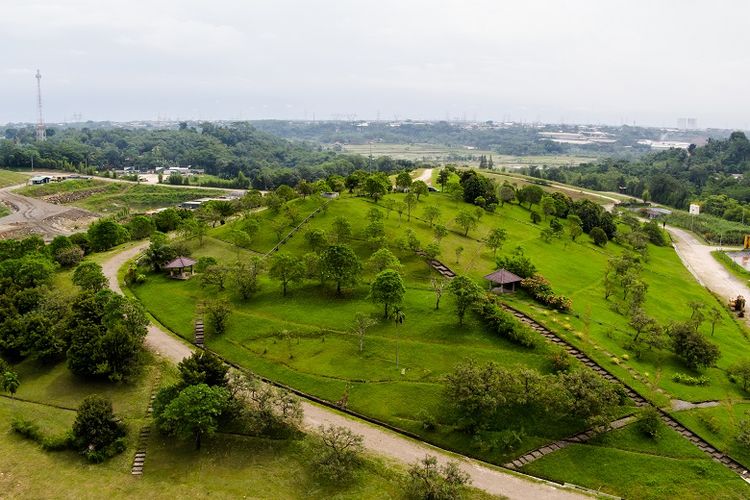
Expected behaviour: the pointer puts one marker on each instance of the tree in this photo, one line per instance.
(202, 367)
(218, 312)
(388, 289)
(588, 396)
(245, 276)
(535, 217)
(459, 250)
(495, 239)
(411, 202)
(403, 181)
(419, 188)
(438, 284)
(443, 177)
(340, 263)
(341, 229)
(97, 432)
(194, 413)
(531, 194)
(89, 276)
(692, 346)
(362, 323)
(194, 228)
(106, 234)
(341, 454)
(741, 371)
(743, 431)
(287, 269)
(466, 221)
(9, 382)
(649, 422)
(714, 317)
(216, 275)
(428, 481)
(598, 236)
(376, 186)
(383, 259)
(466, 293)
(317, 239)
(506, 193)
(141, 227)
(440, 232)
(575, 228)
(431, 213)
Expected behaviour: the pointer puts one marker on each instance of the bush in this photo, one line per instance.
(649, 422)
(97, 432)
(539, 288)
(599, 236)
(428, 481)
(710, 422)
(561, 361)
(203, 263)
(27, 429)
(505, 325)
(340, 455)
(682, 378)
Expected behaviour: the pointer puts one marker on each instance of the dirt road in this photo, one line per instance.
(378, 441)
(711, 274)
(33, 216)
(425, 176)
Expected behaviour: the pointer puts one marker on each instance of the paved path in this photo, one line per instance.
(377, 440)
(425, 176)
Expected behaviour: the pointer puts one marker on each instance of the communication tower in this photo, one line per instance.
(41, 129)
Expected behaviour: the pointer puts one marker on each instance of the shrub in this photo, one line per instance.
(27, 429)
(561, 361)
(682, 378)
(649, 422)
(203, 263)
(504, 324)
(599, 236)
(427, 480)
(710, 422)
(97, 432)
(340, 455)
(539, 288)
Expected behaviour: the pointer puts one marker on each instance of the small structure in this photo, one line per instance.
(330, 194)
(40, 179)
(654, 212)
(177, 268)
(500, 278)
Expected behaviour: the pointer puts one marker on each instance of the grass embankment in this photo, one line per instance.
(627, 464)
(713, 229)
(730, 265)
(10, 177)
(110, 197)
(305, 339)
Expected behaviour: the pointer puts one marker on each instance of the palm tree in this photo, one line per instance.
(399, 317)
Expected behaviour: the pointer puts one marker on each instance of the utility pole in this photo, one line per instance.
(41, 129)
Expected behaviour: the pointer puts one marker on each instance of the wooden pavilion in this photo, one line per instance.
(500, 278)
(177, 268)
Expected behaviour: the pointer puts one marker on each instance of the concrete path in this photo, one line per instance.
(377, 440)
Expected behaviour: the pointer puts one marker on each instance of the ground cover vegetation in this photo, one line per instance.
(390, 352)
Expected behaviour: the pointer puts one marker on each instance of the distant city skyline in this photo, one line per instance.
(581, 62)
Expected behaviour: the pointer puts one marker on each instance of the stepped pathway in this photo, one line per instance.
(139, 459)
(581, 437)
(639, 400)
(297, 228)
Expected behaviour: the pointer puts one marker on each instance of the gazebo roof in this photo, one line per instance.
(503, 276)
(180, 262)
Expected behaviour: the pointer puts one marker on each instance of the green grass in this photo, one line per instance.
(626, 464)
(10, 177)
(111, 197)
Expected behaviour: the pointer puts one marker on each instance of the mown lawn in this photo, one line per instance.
(627, 464)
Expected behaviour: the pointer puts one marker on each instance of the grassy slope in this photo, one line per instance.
(10, 177)
(109, 197)
(625, 463)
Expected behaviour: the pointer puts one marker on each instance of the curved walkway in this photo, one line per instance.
(493, 480)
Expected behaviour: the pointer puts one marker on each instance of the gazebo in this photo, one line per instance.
(500, 278)
(177, 268)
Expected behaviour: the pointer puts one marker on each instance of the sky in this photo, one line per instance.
(574, 61)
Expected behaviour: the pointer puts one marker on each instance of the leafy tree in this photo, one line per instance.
(649, 422)
(438, 285)
(245, 276)
(495, 239)
(340, 263)
(194, 413)
(517, 263)
(535, 217)
(341, 453)
(692, 346)
(420, 188)
(466, 293)
(287, 269)
(97, 432)
(90, 277)
(9, 381)
(69, 257)
(588, 396)
(403, 181)
(388, 289)
(575, 228)
(743, 431)
(506, 193)
(141, 227)
(440, 232)
(598, 236)
(202, 367)
(341, 229)
(218, 312)
(428, 481)
(443, 176)
(431, 213)
(193, 228)
(411, 202)
(362, 323)
(376, 186)
(531, 194)
(383, 259)
(105, 234)
(216, 275)
(466, 221)
(741, 371)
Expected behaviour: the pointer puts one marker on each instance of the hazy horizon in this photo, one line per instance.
(581, 62)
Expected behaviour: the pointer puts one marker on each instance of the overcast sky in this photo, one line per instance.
(576, 61)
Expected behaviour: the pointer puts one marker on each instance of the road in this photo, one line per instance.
(33, 216)
(425, 176)
(377, 440)
(708, 271)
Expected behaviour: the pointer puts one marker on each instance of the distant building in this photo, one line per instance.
(40, 179)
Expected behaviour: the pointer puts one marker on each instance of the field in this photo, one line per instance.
(9, 178)
(306, 340)
(434, 153)
(107, 197)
